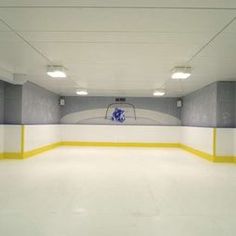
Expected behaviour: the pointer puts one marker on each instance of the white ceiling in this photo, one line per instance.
(118, 48)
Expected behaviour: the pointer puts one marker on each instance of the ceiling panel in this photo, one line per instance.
(3, 27)
(118, 51)
(115, 53)
(118, 37)
(17, 57)
(115, 20)
(159, 3)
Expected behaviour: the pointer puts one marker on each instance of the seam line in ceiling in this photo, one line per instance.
(105, 31)
(202, 49)
(118, 7)
(98, 42)
(26, 41)
(29, 44)
(211, 40)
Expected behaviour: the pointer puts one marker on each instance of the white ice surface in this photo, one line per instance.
(117, 192)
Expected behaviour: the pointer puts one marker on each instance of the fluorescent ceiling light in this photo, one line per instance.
(82, 92)
(159, 92)
(181, 73)
(56, 72)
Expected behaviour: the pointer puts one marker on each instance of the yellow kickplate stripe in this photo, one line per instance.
(120, 144)
(199, 153)
(12, 155)
(27, 154)
(225, 159)
(40, 150)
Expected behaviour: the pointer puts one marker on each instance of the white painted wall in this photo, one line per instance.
(37, 136)
(226, 142)
(234, 142)
(1, 138)
(12, 138)
(198, 138)
(103, 133)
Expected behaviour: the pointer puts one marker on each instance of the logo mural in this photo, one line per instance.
(118, 115)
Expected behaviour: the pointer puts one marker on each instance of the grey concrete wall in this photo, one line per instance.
(200, 107)
(211, 106)
(13, 104)
(39, 106)
(226, 104)
(2, 102)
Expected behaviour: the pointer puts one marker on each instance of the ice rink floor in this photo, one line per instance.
(117, 192)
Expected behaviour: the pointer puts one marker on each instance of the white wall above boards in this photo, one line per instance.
(127, 134)
(198, 138)
(226, 142)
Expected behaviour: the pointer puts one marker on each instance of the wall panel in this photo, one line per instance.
(226, 142)
(12, 138)
(101, 133)
(1, 139)
(198, 138)
(37, 136)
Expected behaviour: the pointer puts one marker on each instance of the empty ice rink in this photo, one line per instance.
(117, 118)
(104, 191)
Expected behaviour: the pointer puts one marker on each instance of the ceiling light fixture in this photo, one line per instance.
(82, 92)
(56, 72)
(181, 72)
(159, 92)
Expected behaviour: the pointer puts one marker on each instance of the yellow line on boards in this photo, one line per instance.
(120, 144)
(197, 152)
(209, 156)
(27, 154)
(40, 150)
(225, 159)
(12, 155)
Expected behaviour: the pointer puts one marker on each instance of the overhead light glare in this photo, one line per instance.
(82, 92)
(159, 92)
(56, 72)
(181, 72)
